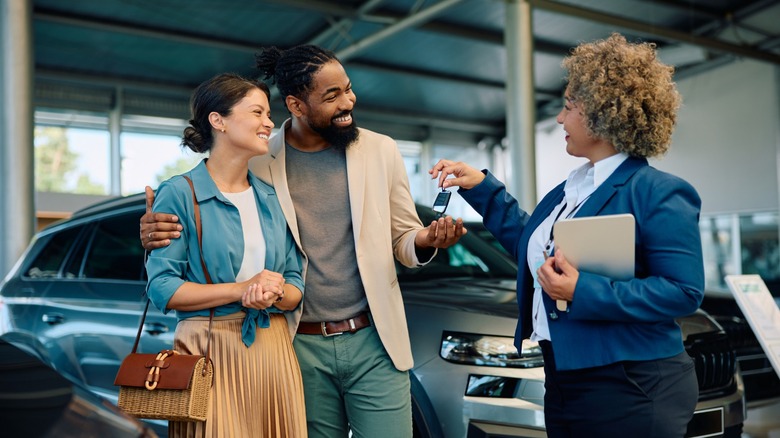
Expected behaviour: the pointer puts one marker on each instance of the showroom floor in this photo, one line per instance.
(763, 422)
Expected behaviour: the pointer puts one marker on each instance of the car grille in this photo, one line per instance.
(715, 363)
(739, 332)
(759, 377)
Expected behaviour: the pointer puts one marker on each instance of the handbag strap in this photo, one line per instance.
(140, 327)
(202, 262)
(208, 280)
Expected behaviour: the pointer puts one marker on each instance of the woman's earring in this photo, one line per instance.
(223, 129)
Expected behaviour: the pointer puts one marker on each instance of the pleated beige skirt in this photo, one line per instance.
(257, 392)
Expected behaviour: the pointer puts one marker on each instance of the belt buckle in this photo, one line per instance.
(325, 332)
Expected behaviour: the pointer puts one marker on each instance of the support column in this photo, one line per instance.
(777, 144)
(115, 153)
(521, 106)
(428, 191)
(17, 197)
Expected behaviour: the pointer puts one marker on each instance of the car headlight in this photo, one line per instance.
(486, 350)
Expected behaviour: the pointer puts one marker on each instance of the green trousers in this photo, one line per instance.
(350, 383)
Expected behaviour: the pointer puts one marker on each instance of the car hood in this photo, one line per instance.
(499, 297)
(488, 296)
(698, 323)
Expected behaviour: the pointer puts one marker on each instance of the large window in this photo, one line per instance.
(410, 151)
(71, 160)
(149, 159)
(473, 156)
(73, 152)
(423, 188)
(760, 248)
(739, 245)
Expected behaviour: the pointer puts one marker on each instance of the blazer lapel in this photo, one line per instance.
(356, 185)
(607, 190)
(278, 171)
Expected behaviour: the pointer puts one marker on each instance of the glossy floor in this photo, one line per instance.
(763, 422)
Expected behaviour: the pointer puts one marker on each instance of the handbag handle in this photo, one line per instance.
(208, 280)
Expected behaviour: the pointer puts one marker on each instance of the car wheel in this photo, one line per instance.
(425, 424)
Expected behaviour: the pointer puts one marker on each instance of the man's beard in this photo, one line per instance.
(338, 138)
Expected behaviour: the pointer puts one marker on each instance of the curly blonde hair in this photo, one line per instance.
(625, 93)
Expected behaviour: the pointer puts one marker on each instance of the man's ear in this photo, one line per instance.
(293, 105)
(216, 121)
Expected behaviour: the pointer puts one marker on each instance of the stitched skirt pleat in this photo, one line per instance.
(257, 392)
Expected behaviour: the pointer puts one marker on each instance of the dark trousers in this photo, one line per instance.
(637, 399)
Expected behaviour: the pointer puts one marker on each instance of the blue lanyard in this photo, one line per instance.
(558, 216)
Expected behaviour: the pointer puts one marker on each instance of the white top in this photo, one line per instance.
(580, 184)
(254, 242)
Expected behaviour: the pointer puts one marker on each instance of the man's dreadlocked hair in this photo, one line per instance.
(293, 70)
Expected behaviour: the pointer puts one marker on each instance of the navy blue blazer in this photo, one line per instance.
(610, 321)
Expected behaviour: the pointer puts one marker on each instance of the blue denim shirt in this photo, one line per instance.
(223, 244)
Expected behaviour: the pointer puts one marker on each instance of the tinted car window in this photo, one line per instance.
(460, 256)
(47, 263)
(479, 229)
(73, 266)
(470, 257)
(455, 261)
(115, 251)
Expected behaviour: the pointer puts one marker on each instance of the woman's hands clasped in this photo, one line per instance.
(263, 290)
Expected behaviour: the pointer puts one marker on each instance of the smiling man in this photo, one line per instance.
(345, 194)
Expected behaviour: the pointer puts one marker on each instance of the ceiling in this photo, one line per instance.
(421, 69)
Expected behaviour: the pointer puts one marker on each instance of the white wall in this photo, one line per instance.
(553, 164)
(726, 143)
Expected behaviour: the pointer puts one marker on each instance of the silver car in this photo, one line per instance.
(76, 295)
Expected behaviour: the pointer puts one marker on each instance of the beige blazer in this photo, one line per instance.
(385, 223)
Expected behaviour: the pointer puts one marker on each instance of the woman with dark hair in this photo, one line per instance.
(614, 360)
(252, 260)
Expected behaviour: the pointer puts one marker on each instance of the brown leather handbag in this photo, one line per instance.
(168, 385)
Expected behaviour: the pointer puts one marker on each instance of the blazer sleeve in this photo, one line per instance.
(501, 213)
(669, 273)
(404, 221)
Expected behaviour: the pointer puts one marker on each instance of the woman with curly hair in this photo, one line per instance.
(615, 363)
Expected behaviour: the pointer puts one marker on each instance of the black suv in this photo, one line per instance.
(762, 385)
(76, 295)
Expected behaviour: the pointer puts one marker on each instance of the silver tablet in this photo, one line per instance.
(599, 244)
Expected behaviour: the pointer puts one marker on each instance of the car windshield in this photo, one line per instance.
(473, 256)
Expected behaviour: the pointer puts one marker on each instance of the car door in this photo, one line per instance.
(91, 317)
(27, 311)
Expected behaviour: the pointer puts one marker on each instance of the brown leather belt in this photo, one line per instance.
(334, 328)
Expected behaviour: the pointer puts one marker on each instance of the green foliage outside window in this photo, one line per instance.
(56, 164)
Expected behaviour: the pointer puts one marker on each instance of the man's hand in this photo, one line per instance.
(157, 228)
(441, 233)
